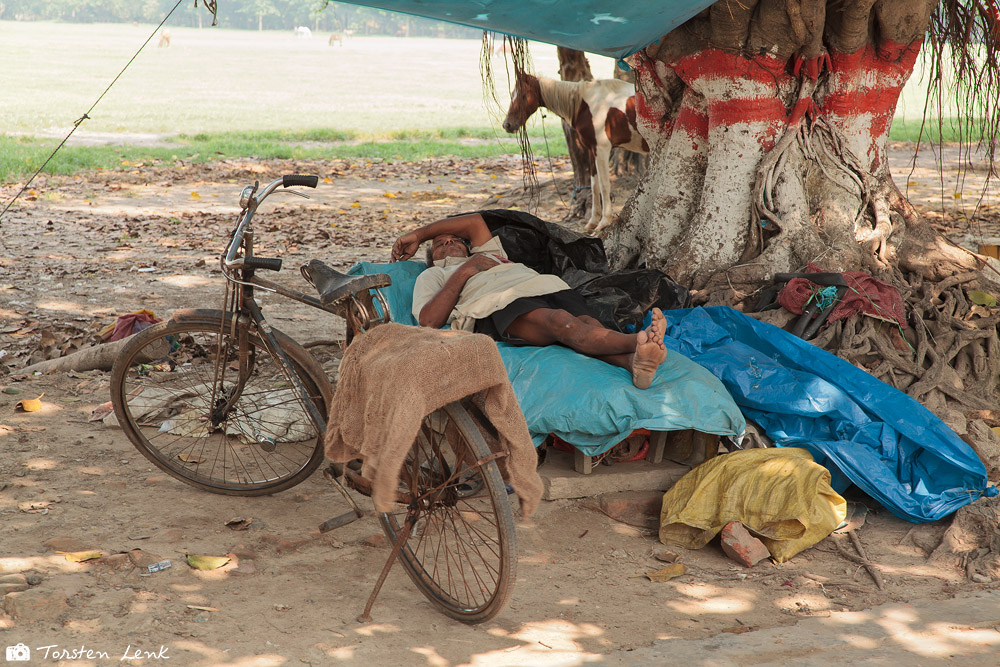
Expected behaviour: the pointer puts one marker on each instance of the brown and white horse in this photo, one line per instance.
(601, 112)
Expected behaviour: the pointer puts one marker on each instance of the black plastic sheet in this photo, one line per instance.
(619, 298)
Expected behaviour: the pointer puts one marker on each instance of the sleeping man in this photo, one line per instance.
(481, 290)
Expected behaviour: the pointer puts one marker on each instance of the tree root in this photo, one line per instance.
(860, 559)
(949, 359)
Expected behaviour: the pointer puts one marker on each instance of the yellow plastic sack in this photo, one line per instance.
(781, 495)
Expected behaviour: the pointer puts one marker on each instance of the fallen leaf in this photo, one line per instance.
(239, 523)
(667, 573)
(81, 556)
(390, 195)
(100, 412)
(188, 458)
(30, 404)
(982, 298)
(740, 629)
(200, 608)
(207, 562)
(666, 556)
(195, 196)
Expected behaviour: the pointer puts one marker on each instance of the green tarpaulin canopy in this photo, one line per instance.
(613, 28)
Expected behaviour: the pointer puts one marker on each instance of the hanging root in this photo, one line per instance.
(963, 47)
(762, 198)
(520, 62)
(825, 146)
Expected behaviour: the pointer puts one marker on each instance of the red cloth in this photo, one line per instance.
(864, 295)
(126, 325)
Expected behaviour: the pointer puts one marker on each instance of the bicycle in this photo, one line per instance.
(221, 400)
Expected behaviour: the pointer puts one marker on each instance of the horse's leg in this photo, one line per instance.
(595, 194)
(601, 188)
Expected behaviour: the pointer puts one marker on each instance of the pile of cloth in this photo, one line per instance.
(394, 375)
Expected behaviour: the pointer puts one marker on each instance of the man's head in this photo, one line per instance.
(446, 245)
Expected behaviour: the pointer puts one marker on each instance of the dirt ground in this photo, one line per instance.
(79, 251)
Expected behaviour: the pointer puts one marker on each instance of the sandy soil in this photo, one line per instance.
(80, 251)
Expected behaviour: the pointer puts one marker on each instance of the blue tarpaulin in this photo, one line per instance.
(864, 431)
(613, 28)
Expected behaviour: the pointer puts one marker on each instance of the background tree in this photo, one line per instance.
(574, 66)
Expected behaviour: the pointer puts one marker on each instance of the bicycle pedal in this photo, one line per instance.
(338, 521)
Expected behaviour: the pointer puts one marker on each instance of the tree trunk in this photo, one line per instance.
(573, 66)
(767, 122)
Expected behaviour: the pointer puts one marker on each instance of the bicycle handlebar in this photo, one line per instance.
(269, 263)
(229, 261)
(300, 179)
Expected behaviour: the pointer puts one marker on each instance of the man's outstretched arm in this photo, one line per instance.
(470, 227)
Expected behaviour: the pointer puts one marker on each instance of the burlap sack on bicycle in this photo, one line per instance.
(395, 375)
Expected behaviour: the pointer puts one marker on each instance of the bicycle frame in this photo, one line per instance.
(239, 271)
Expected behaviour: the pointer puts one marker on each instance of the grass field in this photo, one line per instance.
(215, 91)
(214, 80)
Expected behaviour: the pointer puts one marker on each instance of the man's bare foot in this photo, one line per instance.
(650, 351)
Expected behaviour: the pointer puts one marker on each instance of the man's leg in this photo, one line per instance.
(639, 353)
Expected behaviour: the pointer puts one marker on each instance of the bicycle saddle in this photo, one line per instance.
(334, 286)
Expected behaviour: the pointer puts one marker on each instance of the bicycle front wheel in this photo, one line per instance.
(221, 418)
(461, 548)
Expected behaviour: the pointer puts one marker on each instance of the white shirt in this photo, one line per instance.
(487, 291)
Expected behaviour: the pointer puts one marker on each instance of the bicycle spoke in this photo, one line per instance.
(201, 420)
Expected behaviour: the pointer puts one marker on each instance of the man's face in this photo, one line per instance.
(448, 245)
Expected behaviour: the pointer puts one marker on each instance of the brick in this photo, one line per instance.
(143, 559)
(639, 507)
(115, 562)
(741, 546)
(35, 605)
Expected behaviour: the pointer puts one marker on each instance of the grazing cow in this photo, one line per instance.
(601, 112)
(303, 32)
(164, 39)
(336, 38)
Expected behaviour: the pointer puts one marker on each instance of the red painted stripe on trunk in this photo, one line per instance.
(709, 63)
(692, 121)
(746, 110)
(891, 59)
(854, 102)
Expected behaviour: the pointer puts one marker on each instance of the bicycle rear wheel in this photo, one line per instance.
(178, 395)
(462, 547)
